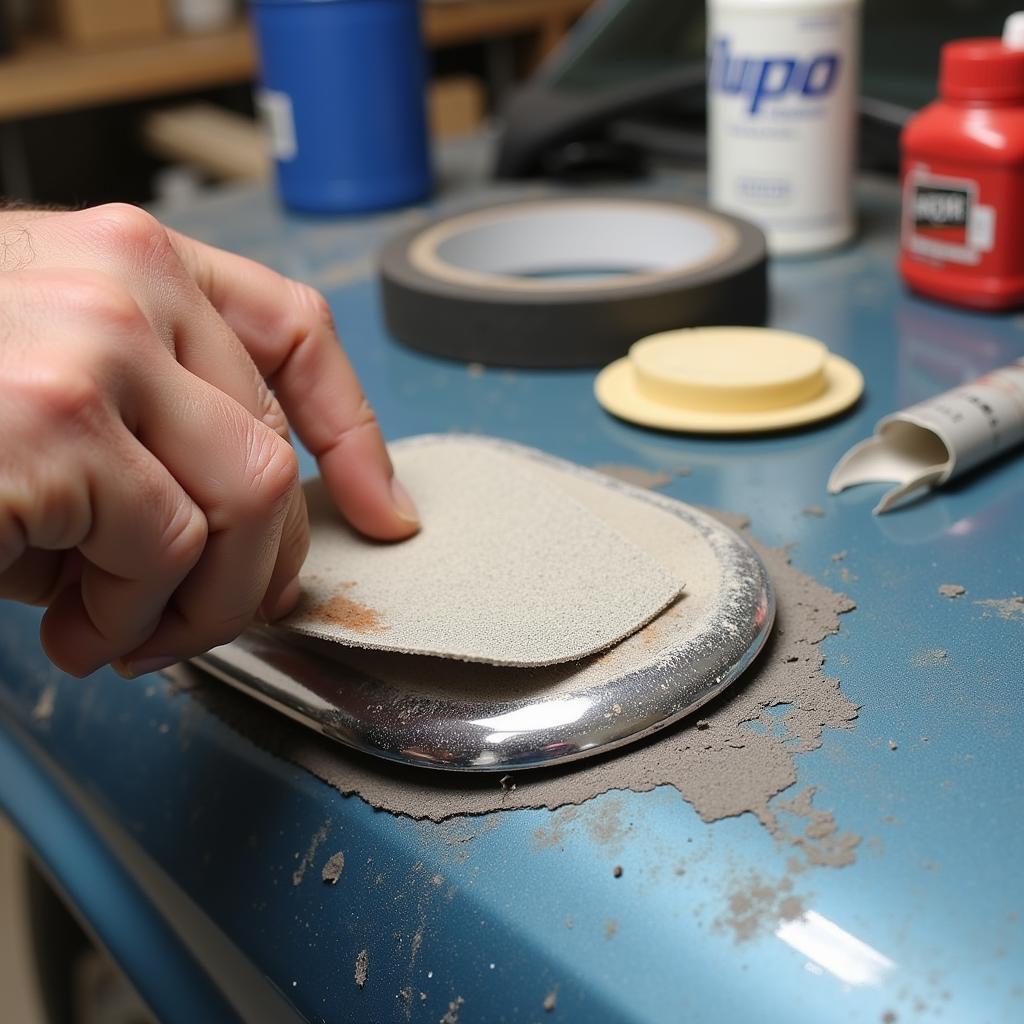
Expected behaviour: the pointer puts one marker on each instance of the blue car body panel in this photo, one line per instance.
(494, 911)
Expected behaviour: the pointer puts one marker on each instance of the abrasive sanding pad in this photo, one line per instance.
(507, 569)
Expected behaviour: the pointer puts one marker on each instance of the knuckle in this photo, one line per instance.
(62, 398)
(130, 231)
(184, 539)
(102, 300)
(272, 469)
(60, 518)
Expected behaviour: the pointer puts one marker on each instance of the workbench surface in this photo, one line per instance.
(181, 840)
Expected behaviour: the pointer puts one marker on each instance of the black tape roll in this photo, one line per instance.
(502, 285)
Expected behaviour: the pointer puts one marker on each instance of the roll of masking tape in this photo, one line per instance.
(569, 282)
(728, 380)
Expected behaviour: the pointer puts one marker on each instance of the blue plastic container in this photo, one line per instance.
(343, 90)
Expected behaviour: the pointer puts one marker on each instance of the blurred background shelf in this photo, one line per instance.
(82, 120)
(48, 76)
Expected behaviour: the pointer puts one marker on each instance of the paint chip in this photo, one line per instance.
(952, 590)
(333, 868)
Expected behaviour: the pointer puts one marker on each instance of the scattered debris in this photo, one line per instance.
(814, 512)
(362, 966)
(929, 658)
(616, 709)
(703, 723)
(952, 590)
(452, 1014)
(551, 1001)
(893, 745)
(507, 784)
(437, 880)
(307, 858)
(1008, 608)
(840, 556)
(617, 871)
(611, 928)
(757, 906)
(405, 994)
(333, 868)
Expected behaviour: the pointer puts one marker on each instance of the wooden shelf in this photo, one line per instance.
(47, 77)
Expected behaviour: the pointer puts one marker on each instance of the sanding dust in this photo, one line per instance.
(638, 476)
(952, 590)
(452, 1014)
(307, 858)
(821, 842)
(551, 1001)
(930, 658)
(756, 905)
(814, 512)
(732, 761)
(362, 967)
(1008, 608)
(333, 868)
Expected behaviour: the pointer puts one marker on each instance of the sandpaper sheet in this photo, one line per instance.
(508, 569)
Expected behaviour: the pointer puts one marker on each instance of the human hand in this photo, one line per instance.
(149, 495)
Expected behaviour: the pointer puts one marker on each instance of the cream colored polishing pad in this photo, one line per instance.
(508, 569)
(725, 380)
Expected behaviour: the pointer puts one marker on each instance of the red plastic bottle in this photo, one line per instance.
(963, 178)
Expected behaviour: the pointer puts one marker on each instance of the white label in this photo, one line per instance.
(275, 109)
(782, 127)
(942, 219)
(978, 420)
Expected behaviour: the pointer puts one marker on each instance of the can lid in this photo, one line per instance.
(982, 69)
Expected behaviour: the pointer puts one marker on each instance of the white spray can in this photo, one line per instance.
(782, 91)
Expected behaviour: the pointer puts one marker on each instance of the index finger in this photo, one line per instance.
(289, 332)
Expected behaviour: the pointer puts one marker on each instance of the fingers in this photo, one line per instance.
(287, 329)
(245, 479)
(163, 515)
(147, 536)
(133, 245)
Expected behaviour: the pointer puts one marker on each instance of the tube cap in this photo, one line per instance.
(985, 68)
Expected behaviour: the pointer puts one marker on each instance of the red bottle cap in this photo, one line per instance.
(981, 69)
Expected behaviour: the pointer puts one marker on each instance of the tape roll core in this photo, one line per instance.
(566, 282)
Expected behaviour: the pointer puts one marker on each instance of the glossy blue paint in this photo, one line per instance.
(92, 879)
(936, 887)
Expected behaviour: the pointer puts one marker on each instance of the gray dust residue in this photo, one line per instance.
(307, 858)
(952, 590)
(733, 760)
(1008, 608)
(362, 967)
(929, 658)
(757, 905)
